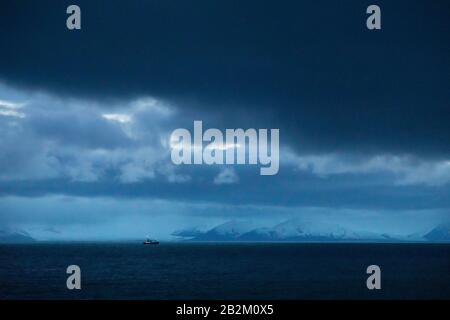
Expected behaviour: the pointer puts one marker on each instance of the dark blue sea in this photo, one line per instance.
(224, 271)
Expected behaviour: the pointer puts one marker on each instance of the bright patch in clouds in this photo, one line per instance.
(122, 118)
(9, 109)
(212, 146)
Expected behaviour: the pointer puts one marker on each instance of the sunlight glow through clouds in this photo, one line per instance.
(8, 108)
(122, 118)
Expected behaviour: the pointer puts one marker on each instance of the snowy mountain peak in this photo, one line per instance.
(14, 236)
(301, 228)
(440, 233)
(233, 227)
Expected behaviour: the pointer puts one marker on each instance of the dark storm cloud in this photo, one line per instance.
(305, 191)
(310, 68)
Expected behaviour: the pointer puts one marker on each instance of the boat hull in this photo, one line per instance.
(150, 243)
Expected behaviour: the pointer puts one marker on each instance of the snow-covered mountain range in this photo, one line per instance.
(296, 230)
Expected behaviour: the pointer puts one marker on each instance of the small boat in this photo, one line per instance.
(150, 241)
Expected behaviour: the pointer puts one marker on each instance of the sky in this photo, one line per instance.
(86, 115)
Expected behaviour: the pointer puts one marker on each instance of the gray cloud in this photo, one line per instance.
(79, 147)
(67, 138)
(406, 170)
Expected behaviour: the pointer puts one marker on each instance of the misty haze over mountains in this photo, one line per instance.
(296, 230)
(292, 230)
